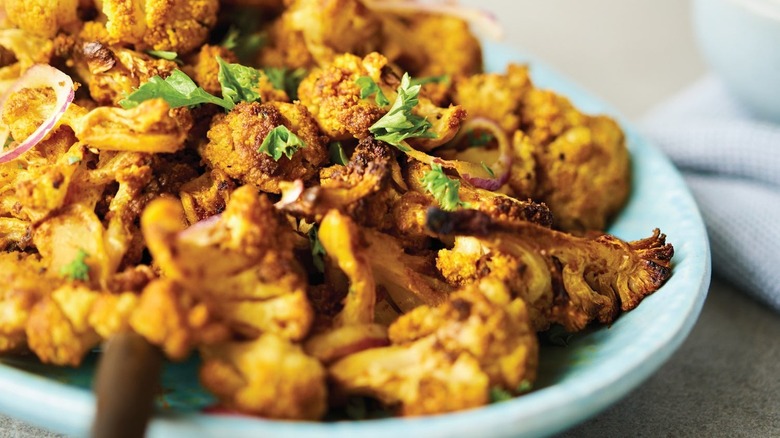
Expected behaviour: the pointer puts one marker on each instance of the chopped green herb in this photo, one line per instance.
(177, 89)
(317, 250)
(286, 80)
(73, 159)
(400, 123)
(524, 386)
(243, 38)
(281, 141)
(8, 141)
(336, 154)
(78, 268)
(431, 79)
(443, 188)
(488, 169)
(498, 395)
(165, 54)
(239, 83)
(477, 140)
(369, 87)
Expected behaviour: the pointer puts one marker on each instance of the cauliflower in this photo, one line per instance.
(235, 139)
(111, 72)
(419, 378)
(20, 50)
(240, 263)
(570, 280)
(206, 195)
(352, 329)
(482, 320)
(42, 18)
(172, 25)
(268, 376)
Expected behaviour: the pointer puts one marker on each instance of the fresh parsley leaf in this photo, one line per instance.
(165, 54)
(336, 154)
(369, 87)
(73, 159)
(400, 123)
(317, 250)
(78, 268)
(243, 37)
(524, 386)
(443, 188)
(239, 83)
(488, 169)
(8, 141)
(477, 140)
(177, 89)
(281, 141)
(431, 79)
(286, 80)
(498, 395)
(231, 39)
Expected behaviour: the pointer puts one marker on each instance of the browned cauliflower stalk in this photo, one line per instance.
(235, 140)
(575, 280)
(269, 377)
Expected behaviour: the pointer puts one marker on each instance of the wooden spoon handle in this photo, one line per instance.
(126, 384)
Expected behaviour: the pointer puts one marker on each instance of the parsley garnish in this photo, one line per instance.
(239, 83)
(498, 395)
(286, 80)
(165, 54)
(242, 37)
(524, 386)
(8, 141)
(431, 79)
(336, 154)
(78, 268)
(488, 169)
(483, 139)
(369, 87)
(317, 250)
(281, 141)
(73, 159)
(177, 90)
(400, 123)
(443, 188)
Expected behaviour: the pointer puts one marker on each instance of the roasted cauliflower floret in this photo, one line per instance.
(420, 378)
(175, 321)
(269, 377)
(206, 195)
(42, 17)
(240, 263)
(20, 50)
(483, 320)
(173, 25)
(574, 279)
(505, 91)
(58, 330)
(235, 140)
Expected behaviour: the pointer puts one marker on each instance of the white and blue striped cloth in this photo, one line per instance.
(732, 165)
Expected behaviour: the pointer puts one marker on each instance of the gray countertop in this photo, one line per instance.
(725, 378)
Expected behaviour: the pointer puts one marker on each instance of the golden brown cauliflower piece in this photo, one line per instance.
(484, 321)
(312, 32)
(505, 91)
(419, 378)
(58, 329)
(570, 280)
(42, 17)
(235, 139)
(240, 263)
(20, 50)
(111, 73)
(173, 25)
(206, 195)
(269, 377)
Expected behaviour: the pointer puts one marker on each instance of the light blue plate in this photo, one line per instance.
(596, 369)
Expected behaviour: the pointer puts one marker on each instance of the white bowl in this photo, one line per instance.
(741, 41)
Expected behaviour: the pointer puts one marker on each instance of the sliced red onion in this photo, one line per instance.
(485, 21)
(37, 76)
(476, 174)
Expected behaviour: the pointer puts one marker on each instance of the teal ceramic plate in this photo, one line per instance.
(596, 369)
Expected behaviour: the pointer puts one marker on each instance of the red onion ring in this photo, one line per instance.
(38, 76)
(485, 21)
